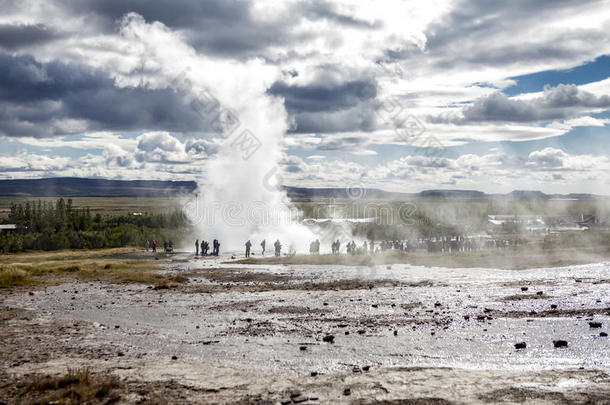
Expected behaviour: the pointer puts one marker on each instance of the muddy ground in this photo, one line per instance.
(380, 334)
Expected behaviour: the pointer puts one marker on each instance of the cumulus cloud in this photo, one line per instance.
(556, 103)
(55, 98)
(73, 69)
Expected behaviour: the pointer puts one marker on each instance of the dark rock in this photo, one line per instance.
(295, 394)
(578, 280)
(374, 305)
(303, 348)
(347, 332)
(120, 354)
(314, 373)
(603, 334)
(361, 331)
(174, 357)
(437, 304)
(328, 339)
(347, 391)
(524, 288)
(539, 292)
(366, 368)
(31, 293)
(299, 399)
(595, 324)
(116, 326)
(395, 333)
(356, 369)
(560, 343)
(466, 317)
(521, 345)
(553, 306)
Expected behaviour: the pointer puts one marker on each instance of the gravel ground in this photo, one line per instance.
(322, 334)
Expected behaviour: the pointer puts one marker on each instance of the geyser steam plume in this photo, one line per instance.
(238, 197)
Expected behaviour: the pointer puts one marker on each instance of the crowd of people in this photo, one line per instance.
(202, 248)
(434, 244)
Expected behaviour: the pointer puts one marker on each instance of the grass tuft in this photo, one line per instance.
(13, 278)
(77, 386)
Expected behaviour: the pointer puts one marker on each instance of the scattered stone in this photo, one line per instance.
(299, 399)
(595, 324)
(328, 339)
(361, 331)
(120, 354)
(466, 317)
(437, 304)
(524, 288)
(560, 343)
(521, 345)
(347, 391)
(356, 369)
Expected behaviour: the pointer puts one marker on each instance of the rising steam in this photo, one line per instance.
(239, 196)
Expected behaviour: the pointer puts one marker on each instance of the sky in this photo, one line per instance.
(401, 95)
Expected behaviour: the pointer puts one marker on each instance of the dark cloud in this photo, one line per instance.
(478, 32)
(561, 102)
(37, 96)
(224, 27)
(316, 10)
(312, 98)
(14, 36)
(329, 107)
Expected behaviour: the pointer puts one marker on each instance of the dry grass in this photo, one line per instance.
(13, 278)
(77, 386)
(46, 268)
(62, 255)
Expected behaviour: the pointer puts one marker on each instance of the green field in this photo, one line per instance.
(113, 206)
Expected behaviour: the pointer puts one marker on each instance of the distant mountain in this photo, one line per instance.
(77, 187)
(452, 193)
(302, 192)
(528, 194)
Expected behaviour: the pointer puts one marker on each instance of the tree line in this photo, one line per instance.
(59, 225)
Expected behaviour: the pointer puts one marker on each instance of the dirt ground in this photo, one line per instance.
(292, 333)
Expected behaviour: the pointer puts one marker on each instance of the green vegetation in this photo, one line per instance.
(13, 278)
(45, 225)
